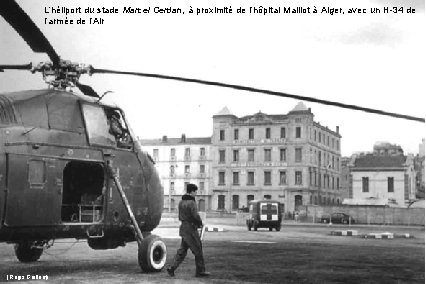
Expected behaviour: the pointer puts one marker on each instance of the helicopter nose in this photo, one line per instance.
(156, 198)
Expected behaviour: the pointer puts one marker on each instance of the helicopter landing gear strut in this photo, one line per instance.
(28, 251)
(152, 251)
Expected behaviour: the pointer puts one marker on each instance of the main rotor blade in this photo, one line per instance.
(262, 91)
(16, 67)
(27, 29)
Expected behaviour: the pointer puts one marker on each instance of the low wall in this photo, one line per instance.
(368, 214)
(312, 214)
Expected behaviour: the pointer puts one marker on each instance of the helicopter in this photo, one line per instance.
(66, 173)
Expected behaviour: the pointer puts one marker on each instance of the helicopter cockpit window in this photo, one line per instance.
(64, 113)
(97, 126)
(7, 115)
(33, 112)
(117, 128)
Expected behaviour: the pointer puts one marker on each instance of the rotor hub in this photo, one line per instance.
(62, 75)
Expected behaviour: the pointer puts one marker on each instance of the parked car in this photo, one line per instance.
(338, 217)
(264, 214)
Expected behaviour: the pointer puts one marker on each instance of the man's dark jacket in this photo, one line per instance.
(188, 215)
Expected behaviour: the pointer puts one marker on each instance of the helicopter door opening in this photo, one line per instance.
(83, 192)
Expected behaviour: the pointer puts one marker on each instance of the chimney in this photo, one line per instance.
(337, 129)
(183, 138)
(164, 139)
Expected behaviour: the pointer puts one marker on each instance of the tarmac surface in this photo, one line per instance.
(299, 253)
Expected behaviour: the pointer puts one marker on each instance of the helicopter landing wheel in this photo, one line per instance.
(152, 254)
(26, 252)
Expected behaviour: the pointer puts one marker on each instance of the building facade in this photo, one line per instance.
(382, 180)
(180, 161)
(290, 158)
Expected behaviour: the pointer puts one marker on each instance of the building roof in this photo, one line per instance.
(224, 111)
(374, 161)
(176, 141)
(300, 107)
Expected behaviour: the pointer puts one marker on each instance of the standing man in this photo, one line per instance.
(191, 221)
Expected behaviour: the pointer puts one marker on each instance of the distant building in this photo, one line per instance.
(419, 165)
(422, 148)
(382, 180)
(180, 161)
(289, 157)
(386, 148)
(345, 179)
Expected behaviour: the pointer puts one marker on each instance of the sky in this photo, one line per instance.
(371, 60)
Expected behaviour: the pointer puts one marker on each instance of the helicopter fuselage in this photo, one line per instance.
(56, 149)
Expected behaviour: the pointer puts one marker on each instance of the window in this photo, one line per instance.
(250, 178)
(202, 169)
(282, 132)
(283, 177)
(267, 178)
(155, 153)
(202, 186)
(187, 153)
(298, 157)
(235, 202)
(298, 132)
(185, 185)
(390, 184)
(202, 152)
(172, 170)
(235, 178)
(235, 156)
(222, 135)
(249, 198)
(364, 184)
(221, 178)
(338, 145)
(267, 155)
(236, 134)
(221, 202)
(268, 133)
(251, 133)
(221, 156)
(96, 125)
(283, 155)
(298, 178)
(172, 152)
(187, 169)
(250, 153)
(267, 197)
(319, 136)
(172, 186)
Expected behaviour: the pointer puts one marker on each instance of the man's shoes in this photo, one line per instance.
(202, 274)
(170, 271)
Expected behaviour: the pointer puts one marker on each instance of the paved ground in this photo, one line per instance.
(300, 253)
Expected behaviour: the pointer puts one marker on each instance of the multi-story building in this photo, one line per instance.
(180, 161)
(382, 180)
(289, 157)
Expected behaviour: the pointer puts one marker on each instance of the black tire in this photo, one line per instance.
(152, 254)
(278, 228)
(270, 228)
(255, 227)
(26, 253)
